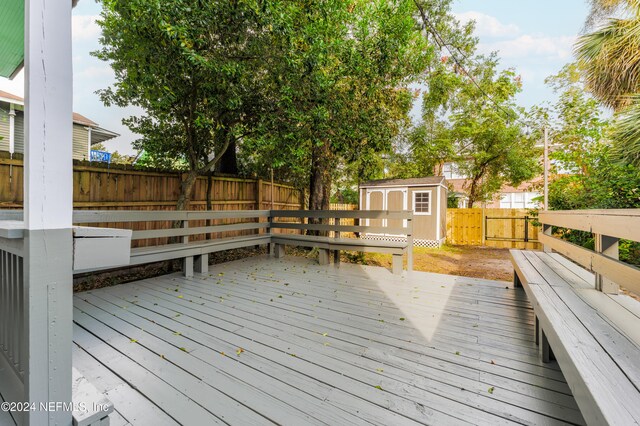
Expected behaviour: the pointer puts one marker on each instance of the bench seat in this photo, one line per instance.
(327, 244)
(597, 353)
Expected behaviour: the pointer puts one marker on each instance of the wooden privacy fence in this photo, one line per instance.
(101, 188)
(500, 228)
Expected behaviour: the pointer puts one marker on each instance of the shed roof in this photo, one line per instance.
(429, 180)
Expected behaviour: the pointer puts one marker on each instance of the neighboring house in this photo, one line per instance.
(426, 197)
(509, 197)
(85, 132)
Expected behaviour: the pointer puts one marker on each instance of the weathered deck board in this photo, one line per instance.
(286, 341)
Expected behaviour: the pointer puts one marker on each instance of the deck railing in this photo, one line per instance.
(12, 308)
(373, 224)
(607, 227)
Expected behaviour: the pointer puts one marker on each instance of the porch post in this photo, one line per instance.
(48, 189)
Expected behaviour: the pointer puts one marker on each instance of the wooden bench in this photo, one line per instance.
(195, 253)
(333, 241)
(255, 226)
(580, 319)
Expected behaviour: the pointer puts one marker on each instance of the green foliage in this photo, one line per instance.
(197, 70)
(452, 199)
(609, 56)
(487, 140)
(342, 94)
(597, 180)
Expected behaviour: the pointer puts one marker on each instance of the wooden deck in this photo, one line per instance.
(265, 340)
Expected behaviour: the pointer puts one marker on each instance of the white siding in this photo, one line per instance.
(19, 132)
(4, 126)
(80, 142)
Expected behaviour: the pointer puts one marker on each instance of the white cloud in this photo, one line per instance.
(487, 25)
(84, 27)
(527, 45)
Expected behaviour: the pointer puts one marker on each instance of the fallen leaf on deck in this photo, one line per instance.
(239, 351)
(490, 389)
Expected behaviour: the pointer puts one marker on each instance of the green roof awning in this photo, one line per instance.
(12, 36)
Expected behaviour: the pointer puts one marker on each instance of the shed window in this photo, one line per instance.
(422, 202)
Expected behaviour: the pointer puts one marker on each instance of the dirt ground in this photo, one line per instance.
(469, 261)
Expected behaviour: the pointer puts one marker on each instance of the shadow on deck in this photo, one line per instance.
(264, 340)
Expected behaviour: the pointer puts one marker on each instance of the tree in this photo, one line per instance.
(590, 178)
(609, 57)
(196, 68)
(483, 125)
(342, 94)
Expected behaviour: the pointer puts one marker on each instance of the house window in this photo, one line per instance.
(422, 202)
(518, 200)
(446, 171)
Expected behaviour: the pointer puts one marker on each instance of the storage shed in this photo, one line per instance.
(426, 197)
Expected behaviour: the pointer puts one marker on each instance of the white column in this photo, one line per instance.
(48, 115)
(438, 206)
(12, 129)
(48, 184)
(88, 143)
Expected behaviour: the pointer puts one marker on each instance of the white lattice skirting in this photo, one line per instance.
(417, 242)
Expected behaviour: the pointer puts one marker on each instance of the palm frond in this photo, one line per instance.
(610, 58)
(626, 133)
(604, 9)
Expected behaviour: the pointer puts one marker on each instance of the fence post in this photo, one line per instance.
(526, 230)
(259, 194)
(607, 246)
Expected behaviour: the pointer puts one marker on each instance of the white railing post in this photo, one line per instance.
(607, 246)
(48, 256)
(410, 243)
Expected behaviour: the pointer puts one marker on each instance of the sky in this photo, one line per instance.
(533, 36)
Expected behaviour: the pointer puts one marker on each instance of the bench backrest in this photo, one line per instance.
(157, 226)
(608, 227)
(331, 221)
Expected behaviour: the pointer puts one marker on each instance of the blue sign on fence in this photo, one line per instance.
(102, 156)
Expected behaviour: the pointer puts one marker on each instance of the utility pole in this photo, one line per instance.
(546, 169)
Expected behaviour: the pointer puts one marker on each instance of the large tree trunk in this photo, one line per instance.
(229, 161)
(186, 189)
(320, 182)
(473, 193)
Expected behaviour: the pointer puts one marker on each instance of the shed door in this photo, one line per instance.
(395, 199)
(376, 202)
(395, 202)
